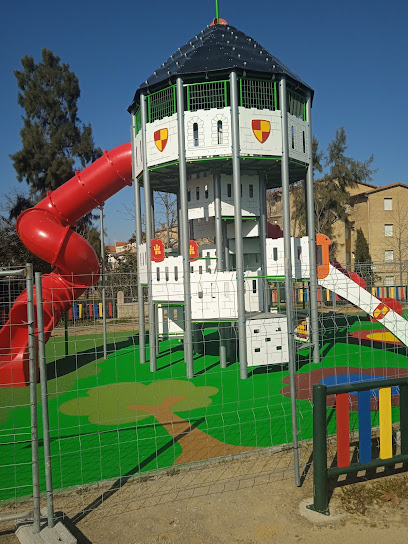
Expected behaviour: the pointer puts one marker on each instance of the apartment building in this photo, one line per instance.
(382, 214)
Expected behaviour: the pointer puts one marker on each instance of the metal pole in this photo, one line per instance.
(404, 418)
(310, 222)
(185, 250)
(320, 484)
(148, 211)
(105, 351)
(44, 400)
(263, 231)
(153, 217)
(239, 247)
(66, 340)
(33, 397)
(218, 222)
(138, 228)
(287, 243)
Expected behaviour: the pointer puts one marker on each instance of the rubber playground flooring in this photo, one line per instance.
(114, 418)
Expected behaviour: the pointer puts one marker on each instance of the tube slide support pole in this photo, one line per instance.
(320, 483)
(185, 246)
(310, 222)
(262, 239)
(138, 228)
(105, 351)
(239, 247)
(33, 397)
(42, 362)
(219, 242)
(287, 246)
(148, 210)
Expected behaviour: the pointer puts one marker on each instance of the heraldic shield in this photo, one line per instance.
(261, 129)
(160, 138)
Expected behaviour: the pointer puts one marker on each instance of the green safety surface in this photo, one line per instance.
(114, 418)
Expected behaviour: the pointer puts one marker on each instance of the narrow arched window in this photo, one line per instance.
(219, 132)
(293, 138)
(195, 134)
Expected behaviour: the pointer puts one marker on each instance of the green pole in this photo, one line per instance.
(404, 418)
(320, 482)
(217, 11)
(66, 332)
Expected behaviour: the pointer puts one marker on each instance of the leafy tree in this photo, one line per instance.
(332, 197)
(160, 400)
(362, 259)
(55, 141)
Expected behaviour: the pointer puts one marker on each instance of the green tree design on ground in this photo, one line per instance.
(123, 403)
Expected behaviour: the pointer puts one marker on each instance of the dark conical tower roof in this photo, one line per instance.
(216, 49)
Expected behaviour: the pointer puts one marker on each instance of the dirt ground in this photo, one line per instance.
(246, 500)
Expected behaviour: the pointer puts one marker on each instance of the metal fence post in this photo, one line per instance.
(33, 397)
(320, 480)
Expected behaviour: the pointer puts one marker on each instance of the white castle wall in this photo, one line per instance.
(210, 141)
(170, 152)
(297, 134)
(267, 341)
(249, 144)
(299, 255)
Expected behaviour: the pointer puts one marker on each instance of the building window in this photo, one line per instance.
(389, 255)
(188, 195)
(389, 281)
(206, 192)
(387, 230)
(251, 191)
(387, 203)
(197, 193)
(229, 190)
(195, 134)
(219, 132)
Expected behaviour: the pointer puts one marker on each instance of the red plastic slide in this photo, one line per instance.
(45, 231)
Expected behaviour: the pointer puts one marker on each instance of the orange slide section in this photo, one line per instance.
(45, 231)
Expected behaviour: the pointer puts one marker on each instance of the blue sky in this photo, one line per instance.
(352, 53)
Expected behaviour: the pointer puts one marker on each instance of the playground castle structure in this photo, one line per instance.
(218, 124)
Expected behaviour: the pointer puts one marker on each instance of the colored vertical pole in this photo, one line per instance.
(75, 311)
(343, 429)
(185, 245)
(385, 423)
(239, 247)
(110, 309)
(90, 308)
(95, 309)
(80, 311)
(320, 482)
(404, 418)
(364, 426)
(287, 252)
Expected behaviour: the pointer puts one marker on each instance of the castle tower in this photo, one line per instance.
(217, 124)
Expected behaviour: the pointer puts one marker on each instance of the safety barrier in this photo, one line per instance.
(385, 390)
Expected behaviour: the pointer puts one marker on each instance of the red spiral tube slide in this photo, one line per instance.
(45, 231)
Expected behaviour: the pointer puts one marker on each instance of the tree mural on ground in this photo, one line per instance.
(127, 402)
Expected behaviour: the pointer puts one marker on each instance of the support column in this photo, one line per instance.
(149, 236)
(263, 232)
(179, 233)
(310, 222)
(103, 288)
(239, 247)
(138, 228)
(288, 270)
(152, 214)
(219, 245)
(185, 250)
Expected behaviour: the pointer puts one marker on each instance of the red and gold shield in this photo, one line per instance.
(193, 250)
(381, 311)
(160, 138)
(261, 129)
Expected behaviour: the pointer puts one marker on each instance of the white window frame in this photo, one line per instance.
(388, 231)
(387, 204)
(390, 257)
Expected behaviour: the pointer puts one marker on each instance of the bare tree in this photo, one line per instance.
(398, 242)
